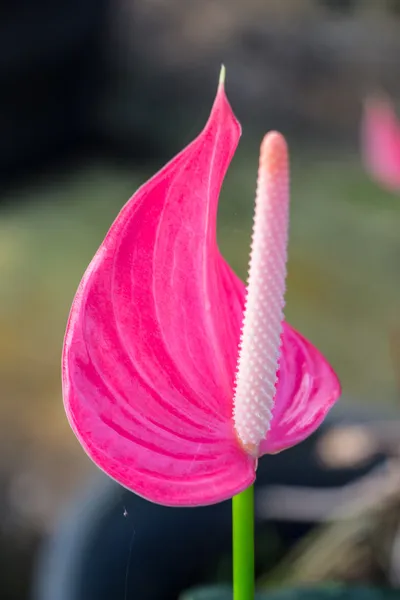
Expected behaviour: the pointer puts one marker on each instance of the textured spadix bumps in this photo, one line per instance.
(151, 348)
(262, 326)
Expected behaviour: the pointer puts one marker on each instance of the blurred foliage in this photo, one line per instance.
(341, 6)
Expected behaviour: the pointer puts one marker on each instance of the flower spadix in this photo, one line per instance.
(154, 385)
(263, 317)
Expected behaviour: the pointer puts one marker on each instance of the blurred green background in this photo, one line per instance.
(148, 85)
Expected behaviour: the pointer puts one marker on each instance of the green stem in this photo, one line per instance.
(243, 544)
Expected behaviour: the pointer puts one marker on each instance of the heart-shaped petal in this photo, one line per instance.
(151, 344)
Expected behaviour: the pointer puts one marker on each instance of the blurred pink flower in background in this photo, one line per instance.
(380, 142)
(152, 343)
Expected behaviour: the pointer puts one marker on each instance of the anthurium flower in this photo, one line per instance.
(380, 142)
(160, 387)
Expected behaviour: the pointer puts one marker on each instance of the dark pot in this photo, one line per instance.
(320, 592)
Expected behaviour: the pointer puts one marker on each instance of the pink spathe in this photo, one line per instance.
(151, 348)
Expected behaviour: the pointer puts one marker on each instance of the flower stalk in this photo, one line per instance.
(243, 544)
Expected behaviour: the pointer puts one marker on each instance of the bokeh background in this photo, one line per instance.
(95, 96)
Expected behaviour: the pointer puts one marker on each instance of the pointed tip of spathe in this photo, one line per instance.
(222, 75)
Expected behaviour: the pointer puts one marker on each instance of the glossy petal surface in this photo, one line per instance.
(151, 344)
(307, 389)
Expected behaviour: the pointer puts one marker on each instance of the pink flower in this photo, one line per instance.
(151, 348)
(380, 142)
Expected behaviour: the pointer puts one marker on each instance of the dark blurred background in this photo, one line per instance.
(95, 96)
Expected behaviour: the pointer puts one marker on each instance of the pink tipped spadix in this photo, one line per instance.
(262, 325)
